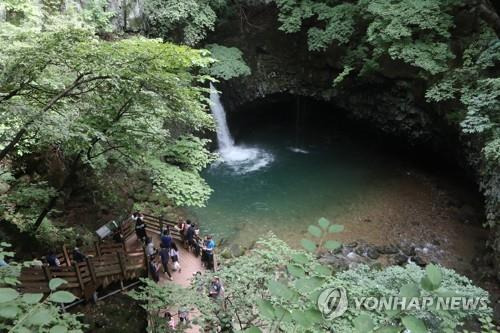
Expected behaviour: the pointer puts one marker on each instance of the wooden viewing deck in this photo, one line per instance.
(110, 263)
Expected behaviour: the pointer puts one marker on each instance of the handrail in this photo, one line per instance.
(106, 263)
(160, 221)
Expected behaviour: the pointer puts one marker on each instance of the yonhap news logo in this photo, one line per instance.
(333, 303)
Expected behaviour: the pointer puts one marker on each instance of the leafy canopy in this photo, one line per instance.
(137, 104)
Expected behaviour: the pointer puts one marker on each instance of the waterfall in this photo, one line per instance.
(224, 138)
(240, 159)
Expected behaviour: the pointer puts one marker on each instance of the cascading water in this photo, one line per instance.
(239, 158)
(226, 142)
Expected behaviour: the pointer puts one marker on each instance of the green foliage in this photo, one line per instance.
(321, 234)
(276, 288)
(188, 20)
(413, 31)
(133, 104)
(155, 298)
(229, 64)
(31, 312)
(418, 34)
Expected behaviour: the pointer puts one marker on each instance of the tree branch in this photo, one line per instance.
(78, 81)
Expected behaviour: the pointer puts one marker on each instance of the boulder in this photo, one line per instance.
(388, 249)
(372, 253)
(400, 259)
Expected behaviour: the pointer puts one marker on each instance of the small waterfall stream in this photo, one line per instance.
(224, 138)
(239, 159)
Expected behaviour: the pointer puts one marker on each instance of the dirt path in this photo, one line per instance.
(190, 264)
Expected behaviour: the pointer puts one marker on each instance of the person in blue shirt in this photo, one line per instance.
(208, 252)
(166, 240)
(52, 259)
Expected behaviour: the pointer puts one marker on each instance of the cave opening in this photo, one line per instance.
(304, 120)
(315, 161)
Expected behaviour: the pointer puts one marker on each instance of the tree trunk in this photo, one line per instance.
(53, 200)
(7, 149)
(490, 16)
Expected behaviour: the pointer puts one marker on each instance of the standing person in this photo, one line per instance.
(170, 320)
(154, 267)
(187, 226)
(52, 259)
(181, 226)
(166, 240)
(209, 252)
(183, 315)
(216, 288)
(164, 255)
(190, 236)
(165, 230)
(174, 256)
(140, 228)
(78, 255)
(204, 255)
(150, 247)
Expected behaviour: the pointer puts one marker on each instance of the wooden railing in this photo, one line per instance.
(106, 263)
(156, 224)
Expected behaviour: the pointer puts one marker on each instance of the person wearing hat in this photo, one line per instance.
(215, 288)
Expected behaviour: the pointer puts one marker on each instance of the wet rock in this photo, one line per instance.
(419, 261)
(408, 250)
(388, 249)
(337, 262)
(360, 251)
(352, 245)
(400, 259)
(372, 253)
(354, 257)
(436, 242)
(4, 187)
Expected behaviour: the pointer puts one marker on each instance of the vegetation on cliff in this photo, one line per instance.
(137, 104)
(451, 47)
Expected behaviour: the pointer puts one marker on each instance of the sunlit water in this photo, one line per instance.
(282, 177)
(283, 187)
(373, 193)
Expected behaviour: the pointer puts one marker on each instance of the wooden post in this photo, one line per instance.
(90, 266)
(66, 256)
(160, 220)
(79, 276)
(122, 233)
(146, 261)
(214, 261)
(122, 264)
(47, 272)
(97, 249)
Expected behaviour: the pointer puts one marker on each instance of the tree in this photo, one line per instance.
(133, 103)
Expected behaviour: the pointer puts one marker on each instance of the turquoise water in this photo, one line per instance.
(321, 177)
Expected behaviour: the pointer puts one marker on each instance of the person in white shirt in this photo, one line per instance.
(174, 256)
(150, 247)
